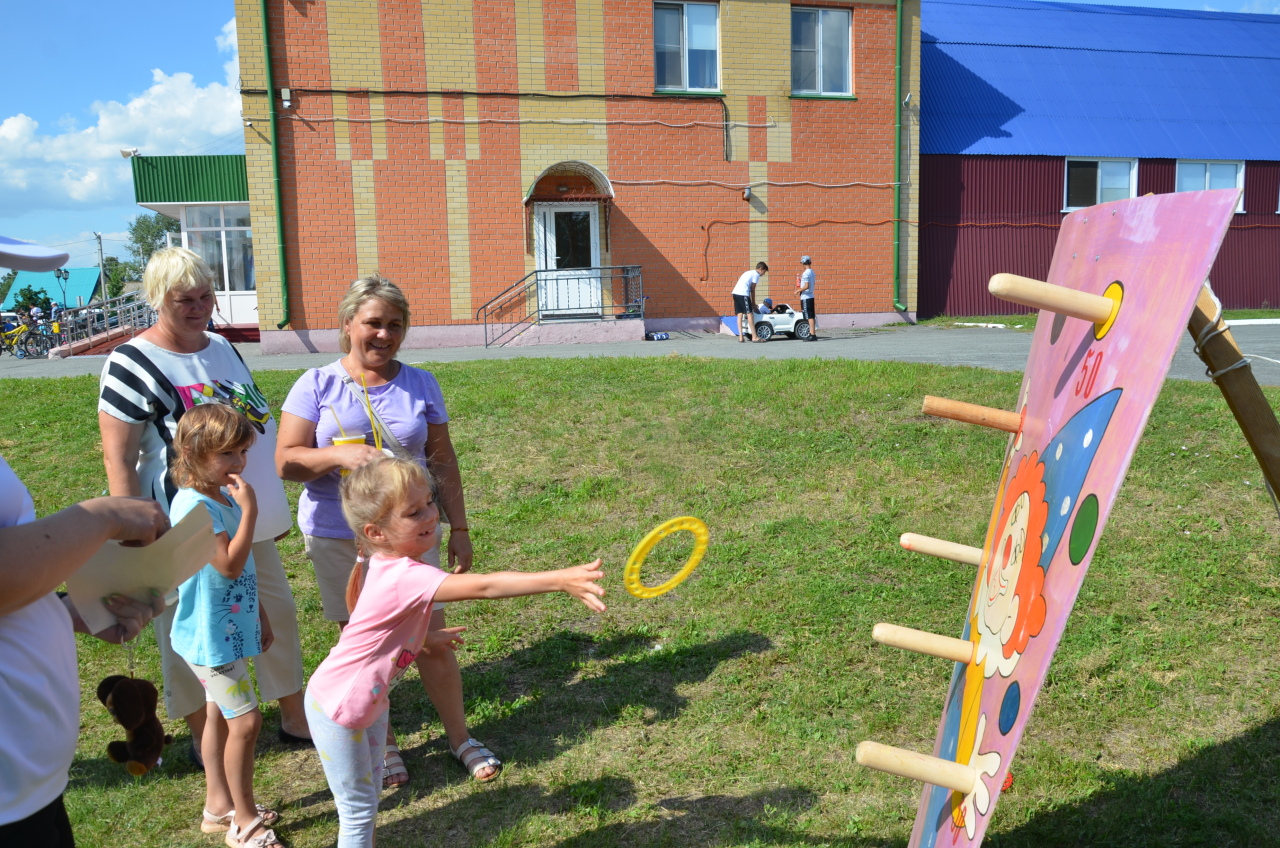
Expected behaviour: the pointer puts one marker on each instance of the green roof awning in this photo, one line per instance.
(189, 179)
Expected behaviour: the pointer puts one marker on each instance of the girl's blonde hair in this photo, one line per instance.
(361, 290)
(369, 495)
(174, 269)
(205, 429)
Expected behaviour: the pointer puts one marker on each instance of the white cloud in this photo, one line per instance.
(72, 168)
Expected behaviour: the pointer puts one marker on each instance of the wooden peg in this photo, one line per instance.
(941, 548)
(920, 767)
(947, 647)
(972, 413)
(1064, 301)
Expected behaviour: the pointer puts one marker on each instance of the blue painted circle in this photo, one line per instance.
(1009, 707)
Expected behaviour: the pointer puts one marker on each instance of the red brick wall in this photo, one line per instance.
(692, 241)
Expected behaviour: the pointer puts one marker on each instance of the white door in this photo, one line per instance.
(567, 249)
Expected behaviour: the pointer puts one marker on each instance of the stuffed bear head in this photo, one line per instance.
(133, 703)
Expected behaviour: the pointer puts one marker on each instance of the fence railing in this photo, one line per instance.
(606, 293)
(129, 313)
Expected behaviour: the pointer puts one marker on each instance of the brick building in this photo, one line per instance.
(456, 146)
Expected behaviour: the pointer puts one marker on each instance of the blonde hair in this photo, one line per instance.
(174, 269)
(369, 495)
(364, 289)
(203, 430)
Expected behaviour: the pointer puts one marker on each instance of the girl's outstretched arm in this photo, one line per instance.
(581, 581)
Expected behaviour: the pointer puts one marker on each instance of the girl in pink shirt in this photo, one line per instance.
(390, 506)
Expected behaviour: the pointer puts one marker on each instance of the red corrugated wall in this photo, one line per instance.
(982, 215)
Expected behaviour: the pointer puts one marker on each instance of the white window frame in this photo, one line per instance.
(1239, 163)
(224, 285)
(1133, 178)
(819, 92)
(684, 48)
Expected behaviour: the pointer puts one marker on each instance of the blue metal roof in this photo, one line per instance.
(82, 283)
(1012, 77)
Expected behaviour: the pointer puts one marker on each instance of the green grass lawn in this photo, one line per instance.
(727, 711)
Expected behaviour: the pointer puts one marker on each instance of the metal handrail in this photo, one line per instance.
(130, 312)
(538, 297)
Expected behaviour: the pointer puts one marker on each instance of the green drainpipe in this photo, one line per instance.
(897, 168)
(275, 168)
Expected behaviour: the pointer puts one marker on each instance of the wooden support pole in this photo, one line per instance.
(946, 647)
(920, 767)
(972, 413)
(1240, 388)
(941, 548)
(1076, 304)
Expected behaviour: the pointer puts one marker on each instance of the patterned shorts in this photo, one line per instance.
(228, 686)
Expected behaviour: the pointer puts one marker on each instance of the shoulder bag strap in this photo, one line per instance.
(388, 438)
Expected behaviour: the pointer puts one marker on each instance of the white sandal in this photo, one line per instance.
(392, 765)
(221, 824)
(263, 838)
(475, 757)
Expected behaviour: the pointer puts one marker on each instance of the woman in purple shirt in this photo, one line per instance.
(329, 403)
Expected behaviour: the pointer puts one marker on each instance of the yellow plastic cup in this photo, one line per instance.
(349, 440)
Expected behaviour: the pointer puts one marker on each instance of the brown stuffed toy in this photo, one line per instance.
(133, 704)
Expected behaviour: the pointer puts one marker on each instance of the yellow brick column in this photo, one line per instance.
(759, 237)
(353, 33)
(257, 154)
(449, 42)
(756, 61)
(909, 243)
(457, 206)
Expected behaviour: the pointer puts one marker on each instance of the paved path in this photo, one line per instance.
(1002, 350)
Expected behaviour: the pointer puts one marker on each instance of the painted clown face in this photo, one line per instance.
(1011, 606)
(1000, 609)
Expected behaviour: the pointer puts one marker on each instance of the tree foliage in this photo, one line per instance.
(28, 297)
(6, 283)
(146, 236)
(117, 273)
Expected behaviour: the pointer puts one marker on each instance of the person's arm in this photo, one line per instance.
(42, 554)
(443, 462)
(299, 460)
(233, 553)
(581, 581)
(121, 441)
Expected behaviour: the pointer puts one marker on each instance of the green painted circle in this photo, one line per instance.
(1082, 529)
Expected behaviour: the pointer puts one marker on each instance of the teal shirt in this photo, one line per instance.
(216, 621)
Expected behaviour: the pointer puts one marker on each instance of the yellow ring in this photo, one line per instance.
(631, 574)
(1114, 293)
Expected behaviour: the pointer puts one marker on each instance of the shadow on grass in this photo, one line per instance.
(545, 705)
(1223, 795)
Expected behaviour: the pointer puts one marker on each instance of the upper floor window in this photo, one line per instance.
(820, 57)
(1093, 181)
(221, 235)
(1198, 176)
(686, 46)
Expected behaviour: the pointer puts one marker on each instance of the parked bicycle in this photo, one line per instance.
(15, 341)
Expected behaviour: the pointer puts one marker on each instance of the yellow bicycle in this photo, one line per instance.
(22, 342)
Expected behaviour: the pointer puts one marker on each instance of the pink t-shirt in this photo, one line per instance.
(384, 635)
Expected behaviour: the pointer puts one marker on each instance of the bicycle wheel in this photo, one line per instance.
(38, 345)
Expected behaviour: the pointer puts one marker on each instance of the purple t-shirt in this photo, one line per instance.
(406, 405)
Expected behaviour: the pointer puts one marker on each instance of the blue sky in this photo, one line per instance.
(88, 78)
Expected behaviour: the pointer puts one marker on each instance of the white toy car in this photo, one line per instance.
(783, 319)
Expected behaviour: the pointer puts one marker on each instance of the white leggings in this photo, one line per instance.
(352, 761)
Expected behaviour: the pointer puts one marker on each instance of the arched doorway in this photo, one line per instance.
(569, 203)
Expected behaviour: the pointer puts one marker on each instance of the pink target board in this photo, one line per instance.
(1084, 401)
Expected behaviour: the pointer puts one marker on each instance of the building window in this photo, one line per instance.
(223, 239)
(1198, 176)
(821, 62)
(686, 46)
(1093, 181)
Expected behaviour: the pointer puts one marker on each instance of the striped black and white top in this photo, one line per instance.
(143, 383)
